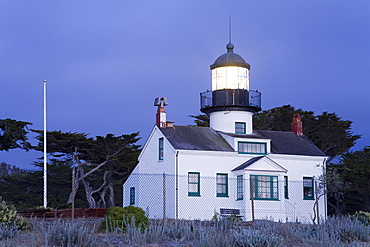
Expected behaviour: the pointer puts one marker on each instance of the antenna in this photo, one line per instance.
(230, 28)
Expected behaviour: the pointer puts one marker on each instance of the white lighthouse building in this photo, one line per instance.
(188, 172)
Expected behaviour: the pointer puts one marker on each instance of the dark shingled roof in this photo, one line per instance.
(283, 142)
(207, 139)
(247, 163)
(196, 138)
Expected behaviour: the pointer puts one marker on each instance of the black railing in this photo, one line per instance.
(231, 98)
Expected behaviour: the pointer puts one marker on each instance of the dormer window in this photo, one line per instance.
(252, 148)
(240, 128)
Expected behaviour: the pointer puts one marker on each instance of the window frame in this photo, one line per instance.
(239, 187)
(272, 184)
(244, 142)
(286, 187)
(132, 196)
(191, 183)
(244, 127)
(311, 188)
(222, 185)
(161, 148)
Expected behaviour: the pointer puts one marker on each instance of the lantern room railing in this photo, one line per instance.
(236, 98)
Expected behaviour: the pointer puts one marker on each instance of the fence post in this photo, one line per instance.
(73, 193)
(164, 196)
(252, 197)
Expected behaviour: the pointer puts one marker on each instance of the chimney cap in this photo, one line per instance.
(160, 101)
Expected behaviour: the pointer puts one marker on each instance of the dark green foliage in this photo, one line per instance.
(201, 120)
(354, 172)
(24, 188)
(118, 217)
(13, 134)
(7, 170)
(103, 163)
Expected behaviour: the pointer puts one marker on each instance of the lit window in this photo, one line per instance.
(193, 184)
(239, 128)
(160, 149)
(252, 148)
(239, 187)
(132, 196)
(222, 185)
(286, 193)
(308, 188)
(264, 187)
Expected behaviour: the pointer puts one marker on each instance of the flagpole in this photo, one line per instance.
(45, 155)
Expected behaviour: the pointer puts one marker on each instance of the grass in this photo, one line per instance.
(335, 231)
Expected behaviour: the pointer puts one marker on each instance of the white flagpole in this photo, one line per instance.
(45, 155)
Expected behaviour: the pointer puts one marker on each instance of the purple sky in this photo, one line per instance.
(106, 61)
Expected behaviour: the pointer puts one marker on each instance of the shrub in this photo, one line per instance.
(66, 233)
(8, 231)
(117, 217)
(253, 237)
(10, 217)
(363, 217)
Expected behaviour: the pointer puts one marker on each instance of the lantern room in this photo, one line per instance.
(230, 71)
(230, 102)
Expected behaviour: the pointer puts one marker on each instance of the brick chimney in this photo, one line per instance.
(161, 102)
(297, 125)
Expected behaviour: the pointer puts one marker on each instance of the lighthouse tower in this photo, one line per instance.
(231, 104)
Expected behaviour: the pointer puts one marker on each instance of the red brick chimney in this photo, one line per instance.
(161, 102)
(297, 125)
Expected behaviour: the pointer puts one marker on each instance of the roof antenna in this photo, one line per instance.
(230, 28)
(230, 45)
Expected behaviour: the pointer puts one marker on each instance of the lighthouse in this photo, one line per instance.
(230, 104)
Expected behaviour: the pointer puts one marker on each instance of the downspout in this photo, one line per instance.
(177, 185)
(325, 189)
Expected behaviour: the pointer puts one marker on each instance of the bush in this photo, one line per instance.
(10, 217)
(363, 217)
(66, 233)
(118, 217)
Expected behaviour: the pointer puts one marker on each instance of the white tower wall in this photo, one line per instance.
(225, 120)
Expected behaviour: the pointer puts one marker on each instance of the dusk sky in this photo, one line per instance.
(105, 61)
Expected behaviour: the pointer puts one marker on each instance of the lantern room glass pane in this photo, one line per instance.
(230, 77)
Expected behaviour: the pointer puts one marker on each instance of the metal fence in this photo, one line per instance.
(198, 197)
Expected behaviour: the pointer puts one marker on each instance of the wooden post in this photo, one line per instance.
(73, 193)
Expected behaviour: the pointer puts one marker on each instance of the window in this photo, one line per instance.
(252, 148)
(132, 196)
(286, 193)
(239, 187)
(193, 184)
(221, 185)
(308, 188)
(239, 128)
(160, 149)
(264, 187)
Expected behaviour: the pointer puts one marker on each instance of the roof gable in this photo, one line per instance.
(261, 163)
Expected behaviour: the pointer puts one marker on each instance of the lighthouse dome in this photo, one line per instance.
(230, 59)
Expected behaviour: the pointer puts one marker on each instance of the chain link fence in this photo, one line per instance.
(198, 197)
